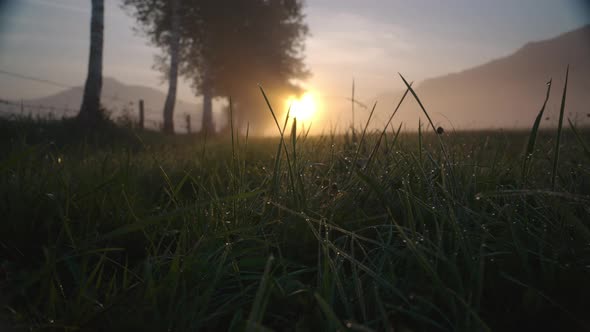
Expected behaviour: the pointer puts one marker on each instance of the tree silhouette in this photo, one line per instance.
(226, 47)
(161, 21)
(90, 113)
(236, 44)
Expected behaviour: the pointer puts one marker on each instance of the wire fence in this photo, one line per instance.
(118, 108)
(23, 109)
(13, 109)
(124, 115)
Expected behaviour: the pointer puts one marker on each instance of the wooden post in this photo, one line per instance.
(141, 114)
(188, 123)
(22, 107)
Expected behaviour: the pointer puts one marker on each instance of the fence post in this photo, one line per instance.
(141, 114)
(22, 107)
(188, 123)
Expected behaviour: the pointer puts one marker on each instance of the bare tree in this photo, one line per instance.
(173, 70)
(160, 20)
(207, 124)
(90, 113)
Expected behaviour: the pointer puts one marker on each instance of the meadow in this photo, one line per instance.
(361, 231)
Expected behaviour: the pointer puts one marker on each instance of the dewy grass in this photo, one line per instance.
(580, 139)
(152, 232)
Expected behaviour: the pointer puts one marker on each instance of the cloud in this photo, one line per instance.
(347, 38)
(344, 45)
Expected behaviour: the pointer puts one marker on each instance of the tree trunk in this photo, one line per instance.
(207, 125)
(90, 113)
(173, 74)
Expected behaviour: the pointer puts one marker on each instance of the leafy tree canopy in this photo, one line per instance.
(230, 46)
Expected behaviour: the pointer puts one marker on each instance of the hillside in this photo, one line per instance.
(118, 98)
(508, 92)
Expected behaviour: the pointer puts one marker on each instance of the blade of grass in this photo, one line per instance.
(281, 143)
(420, 143)
(399, 129)
(259, 304)
(301, 195)
(358, 148)
(442, 146)
(559, 129)
(328, 312)
(386, 126)
(580, 139)
(533, 137)
(352, 105)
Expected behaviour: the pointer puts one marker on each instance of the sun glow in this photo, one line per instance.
(303, 108)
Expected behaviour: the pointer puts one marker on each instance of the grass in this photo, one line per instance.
(398, 231)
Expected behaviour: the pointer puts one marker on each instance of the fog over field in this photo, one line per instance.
(447, 49)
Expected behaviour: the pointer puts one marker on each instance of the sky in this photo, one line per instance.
(368, 40)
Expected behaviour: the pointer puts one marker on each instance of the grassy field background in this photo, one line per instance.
(125, 230)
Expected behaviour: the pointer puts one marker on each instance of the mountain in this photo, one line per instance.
(119, 99)
(508, 92)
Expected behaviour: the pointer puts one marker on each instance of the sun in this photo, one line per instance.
(303, 108)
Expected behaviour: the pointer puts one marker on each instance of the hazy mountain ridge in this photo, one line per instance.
(508, 92)
(118, 98)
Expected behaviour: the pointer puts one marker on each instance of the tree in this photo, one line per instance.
(174, 44)
(90, 113)
(161, 21)
(226, 47)
(235, 44)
